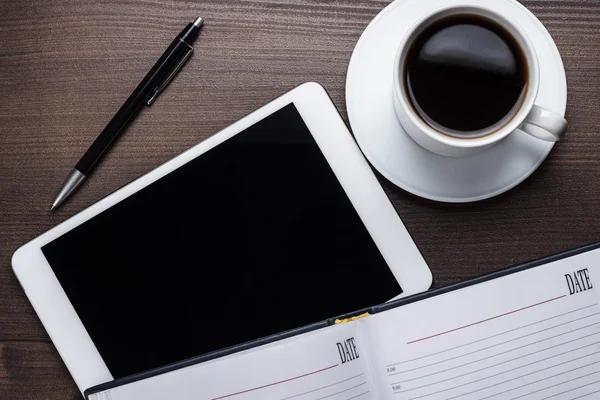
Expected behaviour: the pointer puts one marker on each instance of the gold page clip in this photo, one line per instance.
(345, 320)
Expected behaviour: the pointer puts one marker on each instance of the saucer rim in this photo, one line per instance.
(380, 166)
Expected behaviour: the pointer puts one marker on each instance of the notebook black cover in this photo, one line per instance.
(372, 310)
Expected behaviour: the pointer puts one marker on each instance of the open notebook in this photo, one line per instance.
(528, 332)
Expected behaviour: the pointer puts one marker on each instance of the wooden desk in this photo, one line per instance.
(65, 68)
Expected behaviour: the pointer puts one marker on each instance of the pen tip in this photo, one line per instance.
(52, 208)
(198, 22)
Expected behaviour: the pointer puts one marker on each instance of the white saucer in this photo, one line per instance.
(393, 153)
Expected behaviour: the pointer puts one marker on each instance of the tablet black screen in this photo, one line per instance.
(252, 238)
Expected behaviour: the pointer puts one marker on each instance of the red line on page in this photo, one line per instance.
(485, 320)
(275, 383)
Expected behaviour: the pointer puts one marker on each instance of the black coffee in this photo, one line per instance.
(466, 75)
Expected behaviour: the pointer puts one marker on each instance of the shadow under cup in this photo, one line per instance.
(464, 74)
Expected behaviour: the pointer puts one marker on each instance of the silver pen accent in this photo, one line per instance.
(74, 179)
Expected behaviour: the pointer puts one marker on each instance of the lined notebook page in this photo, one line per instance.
(533, 335)
(326, 364)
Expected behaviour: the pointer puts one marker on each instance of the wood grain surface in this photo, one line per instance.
(66, 67)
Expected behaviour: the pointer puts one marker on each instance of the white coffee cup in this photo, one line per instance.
(530, 118)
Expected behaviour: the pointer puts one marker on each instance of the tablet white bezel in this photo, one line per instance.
(331, 134)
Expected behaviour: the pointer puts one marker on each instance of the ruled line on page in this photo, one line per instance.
(275, 383)
(503, 382)
(486, 320)
(322, 387)
(492, 336)
(501, 343)
(506, 381)
(577, 388)
(503, 362)
(358, 395)
(542, 389)
(341, 391)
(567, 349)
(539, 380)
(584, 395)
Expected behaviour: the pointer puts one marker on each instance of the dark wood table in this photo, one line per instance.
(65, 68)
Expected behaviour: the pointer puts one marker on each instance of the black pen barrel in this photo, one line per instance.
(178, 50)
(155, 81)
(190, 33)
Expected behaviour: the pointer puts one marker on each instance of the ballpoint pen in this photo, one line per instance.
(163, 71)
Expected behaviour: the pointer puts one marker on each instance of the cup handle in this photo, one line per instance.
(544, 124)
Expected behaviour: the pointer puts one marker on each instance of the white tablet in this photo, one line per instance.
(273, 223)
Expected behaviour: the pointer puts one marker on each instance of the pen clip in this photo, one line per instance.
(169, 77)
